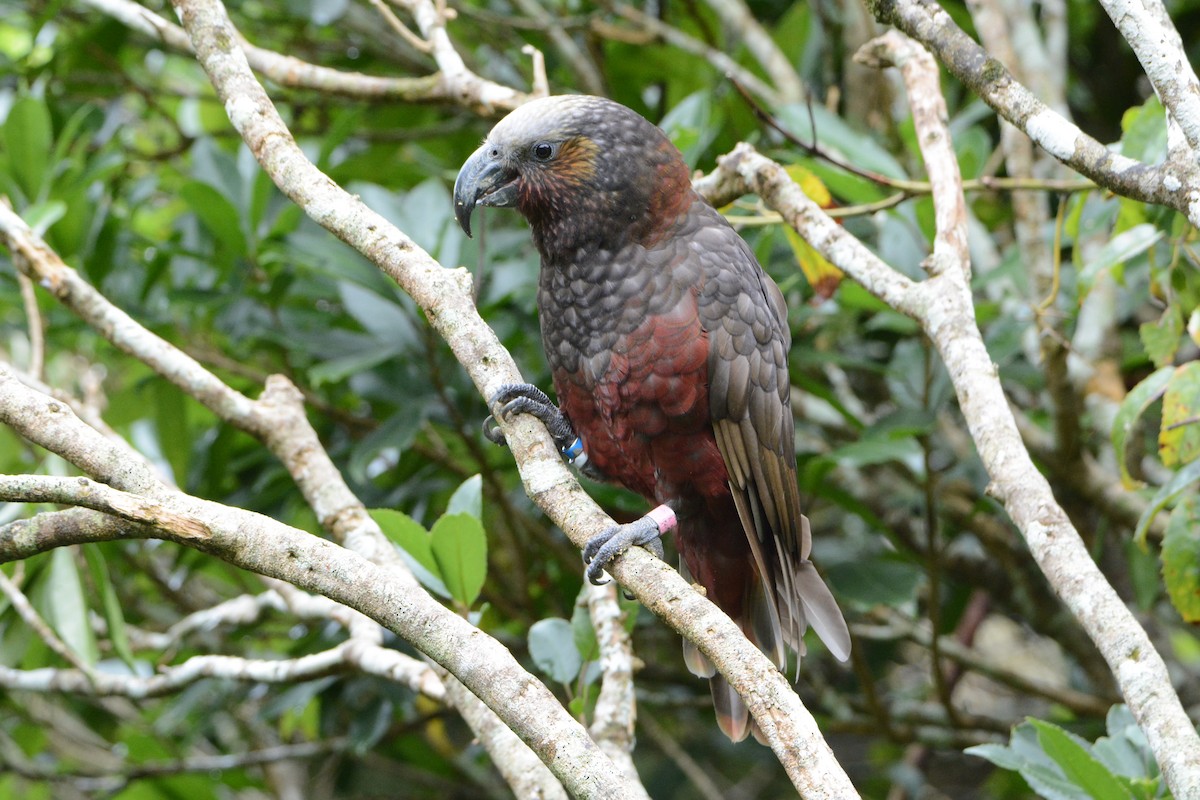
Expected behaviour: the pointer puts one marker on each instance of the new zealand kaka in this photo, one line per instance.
(668, 347)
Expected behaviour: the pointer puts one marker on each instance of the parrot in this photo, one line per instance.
(667, 345)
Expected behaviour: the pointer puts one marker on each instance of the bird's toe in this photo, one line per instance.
(602, 548)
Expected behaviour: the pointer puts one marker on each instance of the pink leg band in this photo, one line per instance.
(663, 517)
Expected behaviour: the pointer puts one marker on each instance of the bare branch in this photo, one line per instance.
(927, 22)
(689, 44)
(458, 86)
(616, 709)
(944, 307)
(738, 19)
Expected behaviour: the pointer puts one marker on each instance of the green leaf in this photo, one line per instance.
(66, 607)
(384, 318)
(171, 424)
(467, 498)
(114, 617)
(552, 648)
(689, 125)
(1144, 136)
(1161, 338)
(1181, 559)
(999, 754)
(219, 217)
(28, 138)
(1078, 764)
(1119, 249)
(878, 451)
(460, 550)
(1166, 493)
(1179, 437)
(336, 369)
(41, 216)
(584, 634)
(1132, 407)
(583, 705)
(879, 580)
(414, 540)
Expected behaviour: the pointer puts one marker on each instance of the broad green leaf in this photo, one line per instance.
(41, 216)
(219, 217)
(878, 451)
(1132, 407)
(1119, 249)
(1166, 493)
(1179, 437)
(999, 754)
(342, 367)
(1181, 559)
(584, 634)
(171, 423)
(858, 147)
(1078, 764)
(383, 317)
(1144, 570)
(689, 125)
(27, 138)
(552, 648)
(66, 606)
(1144, 136)
(114, 617)
(1161, 338)
(875, 581)
(460, 549)
(467, 498)
(409, 535)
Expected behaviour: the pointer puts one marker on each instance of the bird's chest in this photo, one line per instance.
(629, 358)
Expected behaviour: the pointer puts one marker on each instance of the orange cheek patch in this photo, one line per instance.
(576, 162)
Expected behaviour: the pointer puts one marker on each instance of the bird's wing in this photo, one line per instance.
(745, 316)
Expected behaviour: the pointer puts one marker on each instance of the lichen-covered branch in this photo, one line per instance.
(455, 85)
(1173, 185)
(944, 307)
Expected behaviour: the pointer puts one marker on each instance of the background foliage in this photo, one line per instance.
(116, 150)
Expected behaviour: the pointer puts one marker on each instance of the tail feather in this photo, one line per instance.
(732, 715)
(820, 609)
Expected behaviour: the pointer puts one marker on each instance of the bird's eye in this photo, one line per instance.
(543, 151)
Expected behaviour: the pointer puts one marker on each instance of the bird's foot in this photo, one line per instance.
(525, 398)
(646, 532)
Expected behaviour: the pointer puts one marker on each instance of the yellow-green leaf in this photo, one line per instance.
(822, 276)
(810, 184)
(1136, 402)
(1181, 559)
(1179, 437)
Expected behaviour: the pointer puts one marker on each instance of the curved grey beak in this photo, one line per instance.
(486, 180)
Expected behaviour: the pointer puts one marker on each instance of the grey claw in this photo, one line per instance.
(492, 432)
(604, 547)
